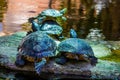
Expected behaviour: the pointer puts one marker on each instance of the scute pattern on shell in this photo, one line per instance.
(75, 46)
(38, 45)
(51, 27)
(51, 12)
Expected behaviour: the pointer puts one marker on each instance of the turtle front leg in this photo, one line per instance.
(39, 65)
(19, 61)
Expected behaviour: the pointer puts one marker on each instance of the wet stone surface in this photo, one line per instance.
(103, 69)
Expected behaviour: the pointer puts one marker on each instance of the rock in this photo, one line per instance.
(101, 50)
(8, 51)
(114, 45)
(102, 70)
(106, 69)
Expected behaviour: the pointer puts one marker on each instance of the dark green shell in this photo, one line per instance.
(51, 27)
(51, 13)
(37, 45)
(75, 46)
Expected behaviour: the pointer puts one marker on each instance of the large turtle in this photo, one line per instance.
(36, 47)
(75, 48)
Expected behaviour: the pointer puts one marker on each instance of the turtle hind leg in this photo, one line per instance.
(39, 65)
(19, 61)
(61, 60)
(93, 60)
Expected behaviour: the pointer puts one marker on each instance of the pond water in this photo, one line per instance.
(12, 75)
(82, 16)
(1, 26)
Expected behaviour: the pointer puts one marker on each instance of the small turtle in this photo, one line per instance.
(51, 13)
(36, 47)
(75, 48)
(51, 27)
(48, 26)
(49, 20)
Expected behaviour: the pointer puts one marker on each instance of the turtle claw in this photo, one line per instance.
(19, 61)
(39, 65)
(93, 60)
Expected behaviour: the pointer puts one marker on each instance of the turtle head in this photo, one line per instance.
(31, 19)
(41, 19)
(92, 59)
(73, 33)
(63, 11)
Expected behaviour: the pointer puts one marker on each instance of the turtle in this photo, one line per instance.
(48, 26)
(51, 27)
(51, 14)
(37, 48)
(48, 20)
(75, 49)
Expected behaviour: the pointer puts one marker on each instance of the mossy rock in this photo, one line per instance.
(106, 68)
(116, 52)
(8, 46)
(114, 57)
(101, 50)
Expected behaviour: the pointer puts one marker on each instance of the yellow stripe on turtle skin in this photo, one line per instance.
(75, 56)
(32, 59)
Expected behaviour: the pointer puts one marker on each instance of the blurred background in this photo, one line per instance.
(82, 15)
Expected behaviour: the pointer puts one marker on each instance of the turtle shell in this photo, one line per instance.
(75, 46)
(37, 45)
(51, 27)
(51, 13)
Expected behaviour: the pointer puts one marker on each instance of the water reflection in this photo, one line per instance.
(85, 15)
(11, 75)
(18, 12)
(82, 15)
(1, 26)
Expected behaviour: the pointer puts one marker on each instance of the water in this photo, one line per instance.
(6, 74)
(1, 26)
(82, 15)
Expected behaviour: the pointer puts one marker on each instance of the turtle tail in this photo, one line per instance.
(39, 65)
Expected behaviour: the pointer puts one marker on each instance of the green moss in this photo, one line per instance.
(114, 57)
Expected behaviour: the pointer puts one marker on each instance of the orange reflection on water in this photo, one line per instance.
(19, 11)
